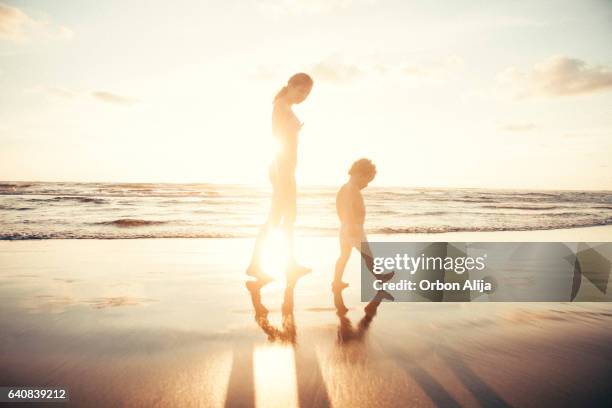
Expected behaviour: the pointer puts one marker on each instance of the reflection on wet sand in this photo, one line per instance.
(346, 332)
(280, 373)
(287, 334)
(187, 344)
(274, 368)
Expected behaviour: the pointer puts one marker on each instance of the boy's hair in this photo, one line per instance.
(363, 167)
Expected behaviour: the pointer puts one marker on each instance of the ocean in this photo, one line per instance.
(44, 210)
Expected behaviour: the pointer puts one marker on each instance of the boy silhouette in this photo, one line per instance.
(351, 212)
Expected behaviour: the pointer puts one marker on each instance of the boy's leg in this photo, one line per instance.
(345, 254)
(366, 254)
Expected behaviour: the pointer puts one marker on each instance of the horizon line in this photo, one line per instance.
(313, 185)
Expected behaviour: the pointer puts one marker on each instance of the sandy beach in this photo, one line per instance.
(168, 322)
(186, 188)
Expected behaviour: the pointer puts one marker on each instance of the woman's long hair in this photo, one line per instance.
(296, 80)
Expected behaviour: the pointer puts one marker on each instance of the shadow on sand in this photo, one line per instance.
(434, 389)
(310, 385)
(346, 331)
(311, 388)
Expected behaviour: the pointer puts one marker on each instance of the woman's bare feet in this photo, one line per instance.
(256, 272)
(295, 271)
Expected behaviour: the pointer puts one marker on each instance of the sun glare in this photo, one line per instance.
(275, 376)
(274, 254)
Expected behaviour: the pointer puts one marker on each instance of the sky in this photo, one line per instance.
(495, 94)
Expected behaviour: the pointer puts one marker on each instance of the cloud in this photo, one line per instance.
(61, 92)
(437, 70)
(336, 71)
(64, 32)
(53, 91)
(13, 22)
(326, 71)
(15, 25)
(65, 93)
(264, 73)
(113, 98)
(558, 76)
(517, 127)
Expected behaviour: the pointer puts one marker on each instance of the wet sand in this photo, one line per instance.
(169, 323)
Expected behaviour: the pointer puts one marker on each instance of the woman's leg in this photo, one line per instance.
(272, 221)
(255, 268)
(289, 209)
(289, 213)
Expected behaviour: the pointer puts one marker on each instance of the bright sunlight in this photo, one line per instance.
(274, 254)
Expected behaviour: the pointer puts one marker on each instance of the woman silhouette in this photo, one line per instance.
(285, 128)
